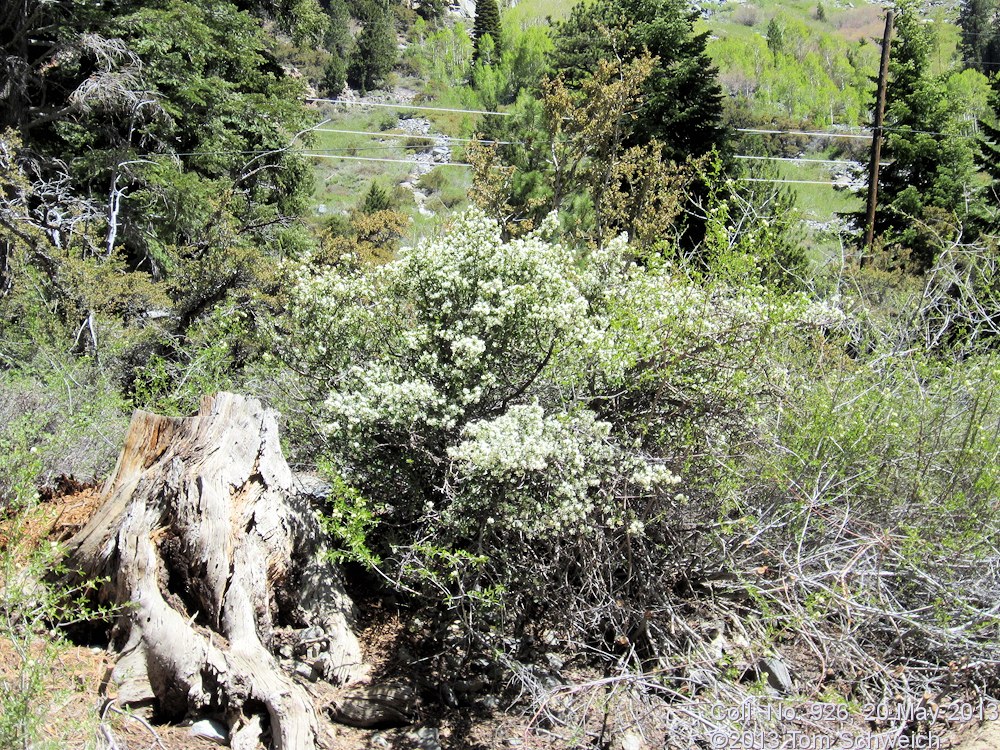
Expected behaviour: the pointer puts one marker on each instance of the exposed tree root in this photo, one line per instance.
(209, 547)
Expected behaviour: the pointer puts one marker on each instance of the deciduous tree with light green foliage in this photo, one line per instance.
(812, 78)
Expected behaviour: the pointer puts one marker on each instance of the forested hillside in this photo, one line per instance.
(572, 407)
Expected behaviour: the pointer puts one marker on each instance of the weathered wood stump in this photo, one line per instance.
(209, 548)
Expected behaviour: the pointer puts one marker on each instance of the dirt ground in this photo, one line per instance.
(81, 706)
(80, 703)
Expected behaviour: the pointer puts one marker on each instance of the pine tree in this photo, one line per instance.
(431, 10)
(989, 161)
(376, 199)
(338, 43)
(926, 181)
(979, 21)
(682, 98)
(487, 23)
(375, 56)
(775, 37)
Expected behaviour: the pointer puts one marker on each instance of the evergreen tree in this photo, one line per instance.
(979, 21)
(775, 37)
(158, 135)
(682, 97)
(487, 23)
(375, 56)
(989, 160)
(339, 43)
(926, 182)
(376, 199)
(431, 10)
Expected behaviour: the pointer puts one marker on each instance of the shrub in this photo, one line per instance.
(63, 419)
(419, 143)
(747, 15)
(434, 180)
(876, 496)
(451, 186)
(671, 466)
(334, 76)
(523, 413)
(387, 121)
(376, 199)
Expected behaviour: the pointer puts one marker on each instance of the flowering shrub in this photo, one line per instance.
(521, 411)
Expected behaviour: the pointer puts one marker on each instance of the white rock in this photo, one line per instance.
(210, 729)
(632, 741)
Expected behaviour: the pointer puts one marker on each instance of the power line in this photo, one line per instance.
(866, 136)
(390, 161)
(800, 160)
(408, 106)
(802, 132)
(760, 131)
(334, 149)
(928, 132)
(797, 182)
(276, 152)
(381, 134)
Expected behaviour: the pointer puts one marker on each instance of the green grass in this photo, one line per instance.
(535, 12)
(817, 202)
(340, 184)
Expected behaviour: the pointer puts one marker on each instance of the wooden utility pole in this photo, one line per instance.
(883, 74)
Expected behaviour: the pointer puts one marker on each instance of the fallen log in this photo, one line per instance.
(210, 548)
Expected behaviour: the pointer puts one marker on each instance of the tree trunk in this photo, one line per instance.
(214, 554)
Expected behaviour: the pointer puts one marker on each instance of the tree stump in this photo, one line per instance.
(210, 549)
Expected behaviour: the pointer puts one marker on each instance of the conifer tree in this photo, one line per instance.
(338, 42)
(431, 10)
(775, 37)
(682, 98)
(926, 185)
(375, 56)
(989, 160)
(376, 199)
(979, 21)
(487, 23)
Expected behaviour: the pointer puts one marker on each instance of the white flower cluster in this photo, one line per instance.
(493, 353)
(449, 323)
(549, 473)
(649, 475)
